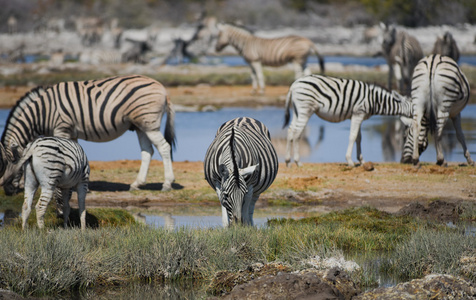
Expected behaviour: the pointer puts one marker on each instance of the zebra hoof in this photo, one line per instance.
(134, 187)
(166, 187)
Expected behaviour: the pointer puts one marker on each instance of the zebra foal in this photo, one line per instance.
(440, 91)
(240, 164)
(269, 52)
(99, 111)
(50, 163)
(335, 100)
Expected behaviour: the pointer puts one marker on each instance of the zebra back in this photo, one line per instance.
(439, 84)
(249, 143)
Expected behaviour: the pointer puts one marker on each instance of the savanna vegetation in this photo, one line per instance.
(116, 250)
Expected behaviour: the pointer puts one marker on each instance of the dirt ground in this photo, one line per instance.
(319, 187)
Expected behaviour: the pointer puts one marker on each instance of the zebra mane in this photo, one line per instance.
(25, 99)
(239, 28)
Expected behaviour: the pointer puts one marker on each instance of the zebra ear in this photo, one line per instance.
(248, 171)
(397, 96)
(223, 171)
(16, 153)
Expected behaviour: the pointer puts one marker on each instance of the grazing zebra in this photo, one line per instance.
(440, 91)
(240, 164)
(446, 45)
(402, 52)
(269, 52)
(335, 100)
(98, 111)
(407, 152)
(50, 163)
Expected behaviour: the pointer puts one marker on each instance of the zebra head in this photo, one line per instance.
(223, 39)
(235, 191)
(409, 139)
(10, 172)
(389, 35)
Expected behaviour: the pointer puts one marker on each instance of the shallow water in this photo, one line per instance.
(323, 142)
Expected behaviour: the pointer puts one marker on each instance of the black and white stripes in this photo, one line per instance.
(99, 111)
(269, 52)
(440, 91)
(335, 100)
(51, 163)
(240, 164)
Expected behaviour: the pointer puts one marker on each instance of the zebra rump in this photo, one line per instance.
(440, 91)
(56, 165)
(240, 164)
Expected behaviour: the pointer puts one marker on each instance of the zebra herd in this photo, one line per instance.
(40, 135)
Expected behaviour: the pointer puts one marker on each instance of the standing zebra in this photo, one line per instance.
(98, 111)
(336, 100)
(269, 52)
(240, 164)
(439, 91)
(446, 45)
(402, 52)
(52, 163)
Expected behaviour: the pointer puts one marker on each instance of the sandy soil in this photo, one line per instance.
(314, 187)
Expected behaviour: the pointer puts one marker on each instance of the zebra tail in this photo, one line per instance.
(432, 108)
(320, 58)
(169, 133)
(286, 106)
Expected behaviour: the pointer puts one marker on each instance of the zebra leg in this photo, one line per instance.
(82, 190)
(224, 217)
(258, 69)
(66, 196)
(254, 80)
(31, 186)
(298, 70)
(165, 150)
(146, 153)
(416, 127)
(390, 76)
(252, 209)
(295, 131)
(355, 123)
(45, 198)
(358, 143)
(460, 136)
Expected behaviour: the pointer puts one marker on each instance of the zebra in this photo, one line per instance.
(407, 151)
(240, 164)
(335, 100)
(99, 111)
(446, 45)
(440, 91)
(269, 52)
(402, 52)
(57, 165)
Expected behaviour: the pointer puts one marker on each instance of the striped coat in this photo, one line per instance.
(51, 163)
(335, 100)
(440, 91)
(240, 164)
(269, 52)
(98, 111)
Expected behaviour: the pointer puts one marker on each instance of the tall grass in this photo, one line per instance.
(433, 252)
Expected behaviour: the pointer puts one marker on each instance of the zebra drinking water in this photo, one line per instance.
(98, 111)
(50, 163)
(440, 91)
(269, 52)
(240, 164)
(336, 100)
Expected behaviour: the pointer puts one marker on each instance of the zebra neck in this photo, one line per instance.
(23, 123)
(238, 38)
(384, 103)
